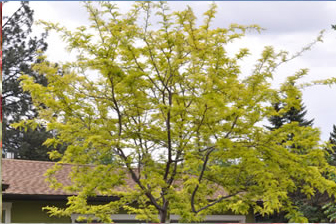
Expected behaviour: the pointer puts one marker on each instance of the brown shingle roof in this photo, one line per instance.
(27, 177)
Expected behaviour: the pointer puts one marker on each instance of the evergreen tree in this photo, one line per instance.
(330, 208)
(332, 137)
(332, 141)
(292, 115)
(20, 50)
(311, 208)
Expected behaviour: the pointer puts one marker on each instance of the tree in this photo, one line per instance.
(293, 115)
(332, 151)
(312, 207)
(164, 105)
(330, 208)
(19, 52)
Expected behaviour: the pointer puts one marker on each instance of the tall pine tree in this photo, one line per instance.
(332, 141)
(20, 50)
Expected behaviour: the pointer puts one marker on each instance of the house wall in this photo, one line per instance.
(31, 212)
(250, 218)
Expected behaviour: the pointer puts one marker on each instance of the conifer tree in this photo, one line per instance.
(292, 115)
(20, 50)
(332, 152)
(330, 208)
(311, 208)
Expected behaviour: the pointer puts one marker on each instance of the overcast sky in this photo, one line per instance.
(289, 26)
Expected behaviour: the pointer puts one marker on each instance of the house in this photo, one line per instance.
(27, 193)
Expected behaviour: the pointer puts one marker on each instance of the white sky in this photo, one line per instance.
(289, 26)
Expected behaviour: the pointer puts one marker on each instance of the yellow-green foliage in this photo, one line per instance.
(166, 106)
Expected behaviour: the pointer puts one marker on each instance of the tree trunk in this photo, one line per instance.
(163, 215)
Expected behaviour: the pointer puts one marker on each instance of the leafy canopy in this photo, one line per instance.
(330, 208)
(310, 207)
(164, 105)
